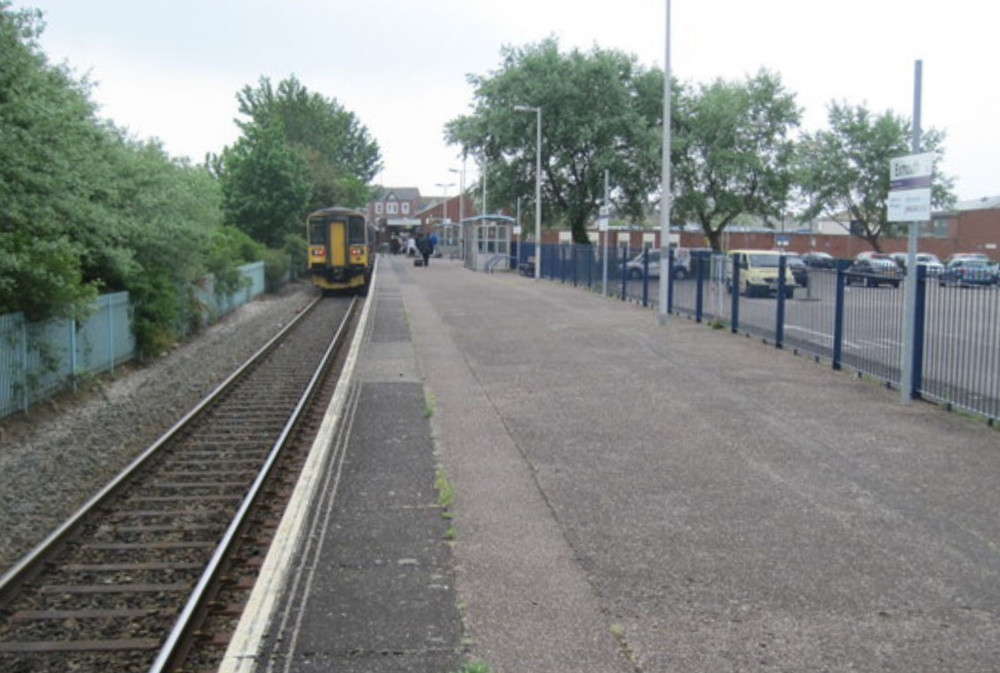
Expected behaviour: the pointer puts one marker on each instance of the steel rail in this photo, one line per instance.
(185, 619)
(16, 574)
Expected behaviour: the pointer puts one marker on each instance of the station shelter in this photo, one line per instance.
(486, 241)
(449, 239)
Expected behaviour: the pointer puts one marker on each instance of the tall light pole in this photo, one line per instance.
(538, 185)
(665, 181)
(461, 190)
(444, 204)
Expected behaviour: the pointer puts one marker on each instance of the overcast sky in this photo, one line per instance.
(171, 69)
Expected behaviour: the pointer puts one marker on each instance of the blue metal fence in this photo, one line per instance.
(39, 359)
(857, 325)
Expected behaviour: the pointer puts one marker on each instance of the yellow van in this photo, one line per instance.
(759, 273)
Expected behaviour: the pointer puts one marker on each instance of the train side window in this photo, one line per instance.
(317, 232)
(356, 227)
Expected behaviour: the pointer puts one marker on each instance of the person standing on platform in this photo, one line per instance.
(425, 247)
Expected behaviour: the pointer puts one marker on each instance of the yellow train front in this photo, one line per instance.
(341, 249)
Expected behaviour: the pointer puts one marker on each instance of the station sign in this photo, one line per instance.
(910, 187)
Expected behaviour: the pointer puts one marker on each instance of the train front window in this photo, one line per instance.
(318, 232)
(356, 229)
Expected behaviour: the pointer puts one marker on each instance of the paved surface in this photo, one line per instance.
(637, 497)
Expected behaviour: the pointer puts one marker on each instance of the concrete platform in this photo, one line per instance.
(632, 497)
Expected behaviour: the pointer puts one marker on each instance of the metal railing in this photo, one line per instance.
(39, 359)
(855, 322)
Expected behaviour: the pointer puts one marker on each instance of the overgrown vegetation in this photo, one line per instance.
(86, 209)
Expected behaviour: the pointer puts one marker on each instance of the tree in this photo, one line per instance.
(47, 134)
(339, 155)
(731, 152)
(844, 171)
(600, 112)
(265, 189)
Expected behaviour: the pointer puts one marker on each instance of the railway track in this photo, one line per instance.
(129, 582)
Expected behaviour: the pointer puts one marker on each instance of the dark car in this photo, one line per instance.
(799, 269)
(820, 260)
(967, 272)
(873, 272)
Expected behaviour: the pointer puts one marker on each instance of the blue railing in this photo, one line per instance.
(39, 359)
(853, 322)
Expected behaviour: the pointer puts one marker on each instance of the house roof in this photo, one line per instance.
(399, 194)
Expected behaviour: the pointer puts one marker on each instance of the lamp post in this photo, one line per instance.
(538, 185)
(444, 204)
(461, 196)
(665, 200)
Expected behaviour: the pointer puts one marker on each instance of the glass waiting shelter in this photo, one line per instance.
(449, 239)
(486, 239)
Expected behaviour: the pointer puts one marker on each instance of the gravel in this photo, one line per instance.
(65, 449)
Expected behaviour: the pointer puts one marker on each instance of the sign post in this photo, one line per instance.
(910, 201)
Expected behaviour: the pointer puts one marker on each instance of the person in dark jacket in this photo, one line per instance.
(426, 248)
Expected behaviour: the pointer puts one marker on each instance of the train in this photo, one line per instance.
(341, 249)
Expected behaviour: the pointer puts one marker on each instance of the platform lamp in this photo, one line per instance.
(444, 204)
(538, 185)
(461, 190)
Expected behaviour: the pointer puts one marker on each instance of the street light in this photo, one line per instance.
(538, 185)
(461, 190)
(444, 204)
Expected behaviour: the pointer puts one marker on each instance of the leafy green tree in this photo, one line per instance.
(265, 185)
(47, 133)
(86, 208)
(732, 154)
(844, 171)
(601, 111)
(339, 154)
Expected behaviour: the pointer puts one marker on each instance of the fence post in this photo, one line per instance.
(838, 316)
(72, 351)
(24, 364)
(645, 275)
(700, 290)
(779, 319)
(734, 291)
(624, 271)
(917, 378)
(668, 278)
(109, 321)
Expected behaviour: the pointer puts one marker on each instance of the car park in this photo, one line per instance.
(967, 272)
(758, 276)
(872, 271)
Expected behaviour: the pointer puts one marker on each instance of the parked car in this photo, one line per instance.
(820, 260)
(686, 259)
(966, 255)
(873, 271)
(967, 272)
(932, 265)
(634, 267)
(800, 272)
(759, 273)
